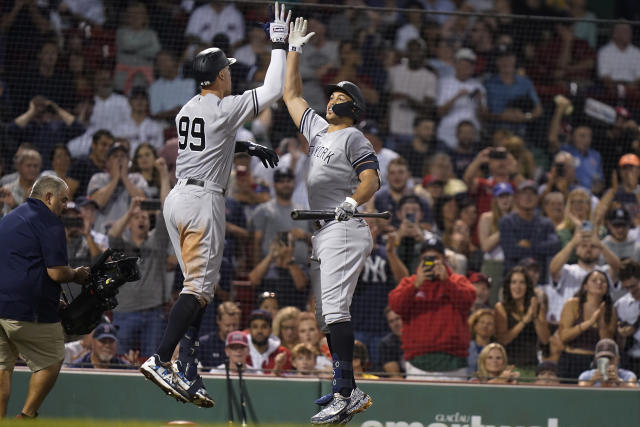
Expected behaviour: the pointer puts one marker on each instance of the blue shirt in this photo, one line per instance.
(32, 238)
(623, 374)
(589, 165)
(499, 95)
(115, 362)
(383, 201)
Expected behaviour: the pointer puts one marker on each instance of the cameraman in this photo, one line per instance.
(33, 250)
(434, 305)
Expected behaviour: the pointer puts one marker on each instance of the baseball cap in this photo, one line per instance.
(619, 216)
(105, 330)
(260, 314)
(502, 188)
(117, 146)
(72, 206)
(629, 159)
(528, 262)
(282, 173)
(236, 337)
(607, 347)
(432, 180)
(547, 366)
(84, 201)
(138, 91)
(479, 277)
(528, 184)
(466, 53)
(623, 112)
(432, 242)
(504, 49)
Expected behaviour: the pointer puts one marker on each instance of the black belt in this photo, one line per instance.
(319, 223)
(199, 183)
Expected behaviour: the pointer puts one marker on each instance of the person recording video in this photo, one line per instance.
(606, 372)
(33, 250)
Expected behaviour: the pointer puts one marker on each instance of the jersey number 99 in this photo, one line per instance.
(196, 132)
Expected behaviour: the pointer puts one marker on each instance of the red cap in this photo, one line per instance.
(479, 277)
(629, 159)
(431, 179)
(237, 337)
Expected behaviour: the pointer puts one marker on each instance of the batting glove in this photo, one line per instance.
(297, 37)
(265, 154)
(278, 28)
(346, 210)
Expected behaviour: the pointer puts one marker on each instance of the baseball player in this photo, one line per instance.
(194, 210)
(343, 174)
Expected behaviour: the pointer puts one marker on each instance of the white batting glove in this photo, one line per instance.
(346, 210)
(297, 37)
(278, 28)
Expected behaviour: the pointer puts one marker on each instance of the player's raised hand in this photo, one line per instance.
(346, 209)
(298, 36)
(278, 28)
(268, 157)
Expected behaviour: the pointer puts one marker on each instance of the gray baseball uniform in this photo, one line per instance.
(340, 249)
(194, 210)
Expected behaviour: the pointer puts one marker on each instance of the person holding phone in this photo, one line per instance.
(434, 305)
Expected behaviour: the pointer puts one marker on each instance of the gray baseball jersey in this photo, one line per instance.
(336, 160)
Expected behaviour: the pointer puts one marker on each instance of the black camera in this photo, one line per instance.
(84, 313)
(497, 154)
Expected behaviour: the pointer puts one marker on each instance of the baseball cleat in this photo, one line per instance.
(331, 413)
(163, 375)
(194, 389)
(358, 402)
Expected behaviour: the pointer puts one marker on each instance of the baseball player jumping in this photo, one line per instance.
(194, 210)
(343, 174)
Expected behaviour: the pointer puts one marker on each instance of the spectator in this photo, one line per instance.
(618, 60)
(113, 190)
(60, 163)
(480, 39)
(136, 47)
(243, 187)
(512, 100)
(567, 277)
(587, 31)
(465, 148)
(10, 177)
(388, 197)
(493, 368)
(439, 6)
(440, 166)
(607, 373)
(145, 161)
(482, 283)
(361, 361)
(45, 125)
(257, 43)
(14, 193)
(294, 159)
(371, 131)
(489, 236)
(618, 240)
(623, 190)
(409, 236)
(303, 359)
(89, 11)
(521, 320)
(459, 98)
(628, 309)
(382, 271)
(84, 245)
(421, 147)
(412, 29)
(83, 168)
(285, 326)
(309, 334)
(482, 329)
(74, 350)
(524, 233)
(547, 373)
(213, 346)
(515, 145)
(434, 304)
(213, 18)
(139, 127)
(412, 88)
(444, 60)
(268, 301)
(236, 350)
(588, 172)
(576, 213)
(586, 318)
(390, 348)
(553, 207)
(170, 91)
(264, 347)
(34, 262)
(103, 354)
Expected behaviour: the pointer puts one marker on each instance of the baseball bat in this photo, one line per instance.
(243, 404)
(311, 214)
(229, 391)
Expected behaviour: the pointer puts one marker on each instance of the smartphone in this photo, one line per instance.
(498, 154)
(587, 226)
(150, 205)
(411, 217)
(72, 222)
(428, 262)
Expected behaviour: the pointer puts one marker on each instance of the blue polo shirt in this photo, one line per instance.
(32, 238)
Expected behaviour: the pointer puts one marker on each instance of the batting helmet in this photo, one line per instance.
(208, 63)
(353, 109)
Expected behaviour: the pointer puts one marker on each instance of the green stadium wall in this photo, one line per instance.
(106, 395)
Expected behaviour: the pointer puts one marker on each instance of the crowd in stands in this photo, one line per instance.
(509, 154)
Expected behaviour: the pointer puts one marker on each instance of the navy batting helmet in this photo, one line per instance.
(353, 109)
(208, 63)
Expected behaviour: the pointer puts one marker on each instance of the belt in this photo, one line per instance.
(319, 223)
(201, 183)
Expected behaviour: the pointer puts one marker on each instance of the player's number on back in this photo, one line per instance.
(191, 128)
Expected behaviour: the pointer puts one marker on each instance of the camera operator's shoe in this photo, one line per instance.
(331, 413)
(163, 375)
(193, 389)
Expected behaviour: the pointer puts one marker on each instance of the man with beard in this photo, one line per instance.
(465, 150)
(104, 342)
(264, 347)
(422, 146)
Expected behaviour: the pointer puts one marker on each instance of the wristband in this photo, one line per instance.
(279, 45)
(351, 202)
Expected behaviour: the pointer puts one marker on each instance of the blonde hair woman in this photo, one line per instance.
(285, 326)
(576, 212)
(492, 366)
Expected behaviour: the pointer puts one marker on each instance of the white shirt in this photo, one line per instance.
(464, 108)
(619, 65)
(204, 23)
(628, 310)
(166, 94)
(109, 113)
(148, 130)
(404, 34)
(92, 10)
(417, 84)
(385, 155)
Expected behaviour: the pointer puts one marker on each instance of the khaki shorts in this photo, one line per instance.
(40, 345)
